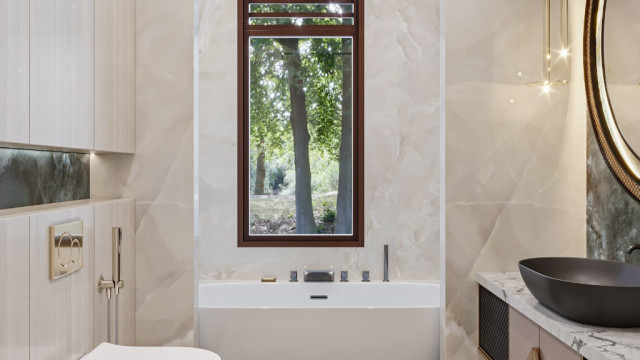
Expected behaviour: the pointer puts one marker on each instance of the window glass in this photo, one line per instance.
(300, 135)
(295, 8)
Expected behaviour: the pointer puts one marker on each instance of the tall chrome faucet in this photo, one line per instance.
(386, 263)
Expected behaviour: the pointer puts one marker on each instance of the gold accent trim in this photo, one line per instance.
(66, 242)
(550, 84)
(534, 354)
(621, 159)
(484, 354)
(268, 279)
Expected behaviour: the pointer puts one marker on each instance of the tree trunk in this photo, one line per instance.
(261, 174)
(305, 221)
(344, 211)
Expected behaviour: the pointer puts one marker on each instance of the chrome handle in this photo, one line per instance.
(106, 285)
(386, 264)
(113, 286)
(365, 276)
(293, 276)
(116, 238)
(344, 276)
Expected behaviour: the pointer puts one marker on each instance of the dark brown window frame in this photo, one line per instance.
(245, 31)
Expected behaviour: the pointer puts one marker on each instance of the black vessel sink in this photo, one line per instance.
(595, 292)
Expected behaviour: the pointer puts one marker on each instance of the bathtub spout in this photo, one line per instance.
(319, 276)
(386, 263)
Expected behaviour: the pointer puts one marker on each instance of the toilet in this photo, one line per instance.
(106, 351)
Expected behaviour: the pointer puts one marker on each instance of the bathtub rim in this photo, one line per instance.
(435, 283)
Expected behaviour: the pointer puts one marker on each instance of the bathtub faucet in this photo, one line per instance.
(319, 275)
(632, 248)
(386, 263)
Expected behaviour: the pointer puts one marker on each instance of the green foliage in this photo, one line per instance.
(276, 214)
(270, 109)
(329, 214)
(324, 174)
(275, 181)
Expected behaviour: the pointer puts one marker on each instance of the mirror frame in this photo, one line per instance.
(623, 162)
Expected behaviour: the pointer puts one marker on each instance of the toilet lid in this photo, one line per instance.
(106, 351)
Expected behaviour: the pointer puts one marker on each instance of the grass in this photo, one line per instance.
(276, 214)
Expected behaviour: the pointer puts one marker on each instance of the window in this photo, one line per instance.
(300, 123)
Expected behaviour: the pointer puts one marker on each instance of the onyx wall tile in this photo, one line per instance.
(612, 213)
(29, 177)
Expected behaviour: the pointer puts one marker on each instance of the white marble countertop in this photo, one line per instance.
(592, 342)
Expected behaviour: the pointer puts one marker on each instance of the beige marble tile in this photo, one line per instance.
(160, 175)
(401, 149)
(515, 165)
(14, 280)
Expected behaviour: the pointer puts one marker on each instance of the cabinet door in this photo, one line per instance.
(108, 216)
(115, 79)
(14, 282)
(14, 71)
(553, 349)
(61, 325)
(62, 73)
(524, 335)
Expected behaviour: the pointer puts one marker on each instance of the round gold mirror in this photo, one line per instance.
(614, 86)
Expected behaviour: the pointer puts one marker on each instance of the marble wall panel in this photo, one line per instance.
(401, 149)
(515, 170)
(160, 175)
(29, 177)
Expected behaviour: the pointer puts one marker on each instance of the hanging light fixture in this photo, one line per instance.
(547, 83)
(564, 28)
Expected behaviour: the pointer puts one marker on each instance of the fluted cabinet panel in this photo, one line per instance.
(61, 321)
(109, 215)
(14, 282)
(14, 71)
(115, 79)
(62, 73)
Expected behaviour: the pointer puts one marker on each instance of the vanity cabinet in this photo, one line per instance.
(62, 73)
(524, 336)
(14, 71)
(115, 79)
(507, 334)
(527, 339)
(67, 74)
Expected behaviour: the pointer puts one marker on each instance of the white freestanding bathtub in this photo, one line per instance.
(320, 321)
